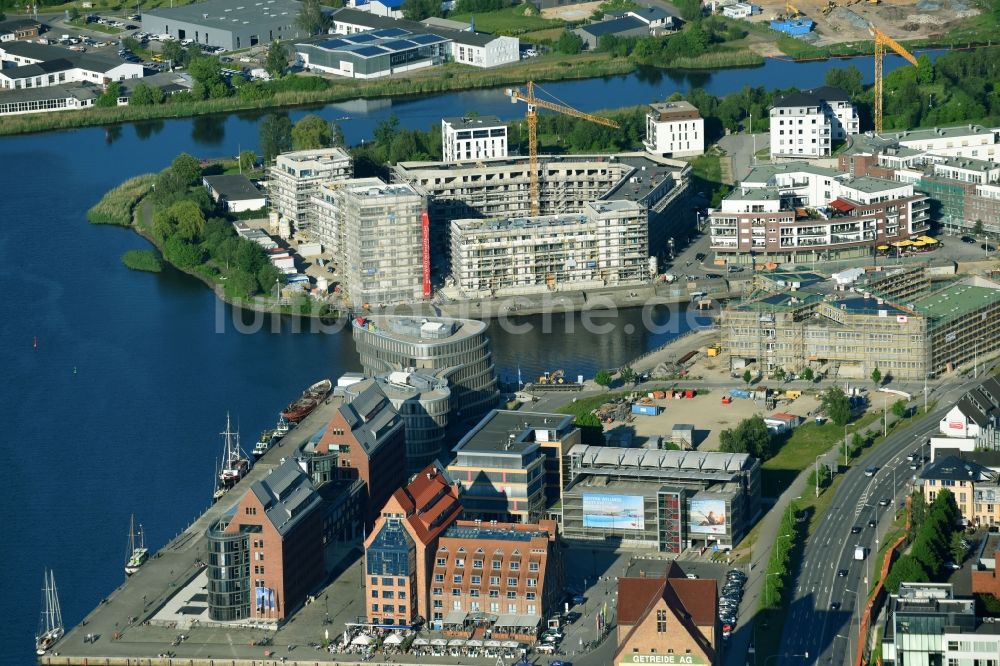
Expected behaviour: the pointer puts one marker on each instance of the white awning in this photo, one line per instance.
(439, 642)
(511, 644)
(456, 642)
(493, 644)
(421, 641)
(474, 642)
(455, 617)
(362, 639)
(506, 621)
(530, 621)
(393, 639)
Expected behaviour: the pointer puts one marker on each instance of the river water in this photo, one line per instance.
(118, 409)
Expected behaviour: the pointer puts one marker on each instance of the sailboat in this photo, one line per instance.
(137, 556)
(235, 463)
(50, 624)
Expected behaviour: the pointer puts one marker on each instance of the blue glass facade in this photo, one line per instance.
(392, 553)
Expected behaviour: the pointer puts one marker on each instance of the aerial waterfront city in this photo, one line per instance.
(520, 332)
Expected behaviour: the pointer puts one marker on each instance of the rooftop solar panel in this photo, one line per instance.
(425, 39)
(333, 44)
(399, 44)
(390, 32)
(361, 37)
(370, 51)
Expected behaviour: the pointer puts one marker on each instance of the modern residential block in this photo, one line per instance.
(478, 138)
(604, 245)
(295, 178)
(674, 129)
(806, 123)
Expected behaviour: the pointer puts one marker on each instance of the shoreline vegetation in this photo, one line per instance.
(142, 260)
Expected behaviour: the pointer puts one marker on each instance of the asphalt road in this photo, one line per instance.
(814, 632)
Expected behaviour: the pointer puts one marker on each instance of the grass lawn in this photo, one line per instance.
(547, 35)
(800, 450)
(508, 21)
(707, 172)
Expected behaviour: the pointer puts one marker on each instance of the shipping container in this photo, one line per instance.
(739, 393)
(646, 410)
(689, 393)
(659, 395)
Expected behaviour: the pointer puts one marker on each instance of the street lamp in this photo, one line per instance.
(767, 590)
(817, 471)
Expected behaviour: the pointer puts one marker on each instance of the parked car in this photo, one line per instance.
(885, 501)
(988, 247)
(856, 529)
(700, 257)
(735, 269)
(842, 573)
(953, 566)
(968, 239)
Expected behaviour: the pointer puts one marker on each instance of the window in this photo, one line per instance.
(477, 580)
(438, 603)
(496, 565)
(512, 595)
(477, 564)
(456, 591)
(387, 581)
(532, 566)
(474, 593)
(457, 578)
(511, 582)
(250, 510)
(375, 607)
(401, 595)
(530, 596)
(374, 594)
(387, 594)
(437, 591)
(258, 569)
(532, 581)
(494, 594)
(438, 578)
(441, 562)
(494, 580)
(661, 621)
(515, 566)
(459, 562)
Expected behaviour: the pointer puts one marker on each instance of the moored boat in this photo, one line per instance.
(137, 555)
(235, 463)
(50, 624)
(266, 441)
(310, 399)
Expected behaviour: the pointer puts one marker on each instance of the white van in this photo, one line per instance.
(859, 552)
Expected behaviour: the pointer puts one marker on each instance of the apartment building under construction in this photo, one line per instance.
(499, 189)
(904, 332)
(606, 244)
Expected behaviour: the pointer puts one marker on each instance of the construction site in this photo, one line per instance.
(839, 21)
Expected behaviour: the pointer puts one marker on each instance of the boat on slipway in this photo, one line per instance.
(137, 554)
(309, 400)
(235, 463)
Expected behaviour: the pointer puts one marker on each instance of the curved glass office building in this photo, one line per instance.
(459, 348)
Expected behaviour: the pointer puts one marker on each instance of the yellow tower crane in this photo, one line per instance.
(528, 97)
(883, 40)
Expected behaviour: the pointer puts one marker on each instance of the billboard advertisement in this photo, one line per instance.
(707, 516)
(613, 511)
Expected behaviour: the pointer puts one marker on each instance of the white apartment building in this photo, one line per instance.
(674, 129)
(295, 177)
(482, 137)
(806, 123)
(973, 141)
(381, 255)
(604, 245)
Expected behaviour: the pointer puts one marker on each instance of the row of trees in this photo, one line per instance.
(935, 538)
(778, 572)
(278, 134)
(750, 436)
(190, 232)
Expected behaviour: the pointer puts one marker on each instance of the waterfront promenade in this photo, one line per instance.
(124, 611)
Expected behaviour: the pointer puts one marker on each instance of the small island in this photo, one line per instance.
(142, 260)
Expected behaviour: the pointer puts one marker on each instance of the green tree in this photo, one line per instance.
(418, 10)
(876, 376)
(825, 477)
(276, 61)
(173, 52)
(807, 374)
(311, 132)
(958, 547)
(847, 78)
(248, 160)
(207, 74)
(836, 405)
(187, 168)
(268, 276)
(690, 9)
(312, 18)
(74, 13)
(977, 228)
(569, 43)
(386, 131)
(747, 377)
(131, 43)
(905, 569)
(628, 374)
(183, 254)
(110, 95)
(602, 378)
(275, 135)
(145, 95)
(779, 374)
(242, 284)
(899, 408)
(750, 436)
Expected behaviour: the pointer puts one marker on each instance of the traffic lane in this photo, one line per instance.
(834, 524)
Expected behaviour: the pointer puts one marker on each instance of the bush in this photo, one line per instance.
(117, 205)
(142, 260)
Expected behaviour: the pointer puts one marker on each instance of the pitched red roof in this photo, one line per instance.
(842, 206)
